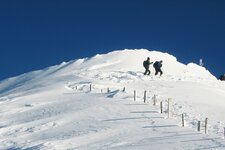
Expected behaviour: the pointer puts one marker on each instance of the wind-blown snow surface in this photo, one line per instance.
(54, 108)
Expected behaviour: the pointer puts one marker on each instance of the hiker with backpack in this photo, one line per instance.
(222, 77)
(157, 65)
(146, 65)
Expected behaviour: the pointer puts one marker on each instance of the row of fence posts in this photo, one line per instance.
(108, 90)
(169, 111)
(161, 108)
(154, 101)
(206, 126)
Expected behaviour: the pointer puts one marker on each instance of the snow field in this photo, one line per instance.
(54, 108)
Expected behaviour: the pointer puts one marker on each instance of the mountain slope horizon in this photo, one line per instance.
(119, 60)
(122, 60)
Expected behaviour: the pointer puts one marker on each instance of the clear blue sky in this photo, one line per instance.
(35, 34)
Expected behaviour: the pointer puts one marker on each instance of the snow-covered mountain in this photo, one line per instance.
(54, 108)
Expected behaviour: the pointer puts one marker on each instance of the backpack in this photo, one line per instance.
(145, 63)
(222, 77)
(155, 64)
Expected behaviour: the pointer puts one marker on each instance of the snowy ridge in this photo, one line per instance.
(131, 60)
(54, 108)
(116, 61)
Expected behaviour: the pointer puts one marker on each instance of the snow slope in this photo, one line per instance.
(53, 108)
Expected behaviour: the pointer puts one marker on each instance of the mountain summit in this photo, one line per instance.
(131, 60)
(120, 61)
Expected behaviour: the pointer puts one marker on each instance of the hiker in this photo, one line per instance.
(157, 65)
(146, 65)
(222, 77)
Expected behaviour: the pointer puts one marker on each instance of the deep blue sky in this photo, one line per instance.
(35, 34)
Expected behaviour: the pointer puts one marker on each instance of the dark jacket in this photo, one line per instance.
(157, 65)
(222, 78)
(147, 63)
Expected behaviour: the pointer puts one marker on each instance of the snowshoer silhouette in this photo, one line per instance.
(146, 65)
(222, 77)
(157, 65)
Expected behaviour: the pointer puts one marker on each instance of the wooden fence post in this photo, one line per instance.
(161, 107)
(134, 95)
(90, 88)
(224, 132)
(169, 101)
(199, 124)
(145, 95)
(124, 89)
(108, 90)
(206, 125)
(154, 100)
(76, 87)
(182, 120)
